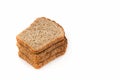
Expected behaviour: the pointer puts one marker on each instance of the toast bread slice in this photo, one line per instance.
(41, 34)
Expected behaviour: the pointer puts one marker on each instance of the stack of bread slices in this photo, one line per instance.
(43, 41)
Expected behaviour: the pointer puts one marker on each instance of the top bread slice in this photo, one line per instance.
(41, 34)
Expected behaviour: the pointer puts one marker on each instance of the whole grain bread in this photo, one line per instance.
(41, 34)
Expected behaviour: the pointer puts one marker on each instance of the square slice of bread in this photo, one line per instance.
(41, 34)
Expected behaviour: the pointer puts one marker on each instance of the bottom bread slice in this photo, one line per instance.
(47, 58)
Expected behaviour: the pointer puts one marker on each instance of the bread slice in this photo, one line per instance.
(47, 58)
(44, 54)
(41, 34)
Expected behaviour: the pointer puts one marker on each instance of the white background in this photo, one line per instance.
(92, 28)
